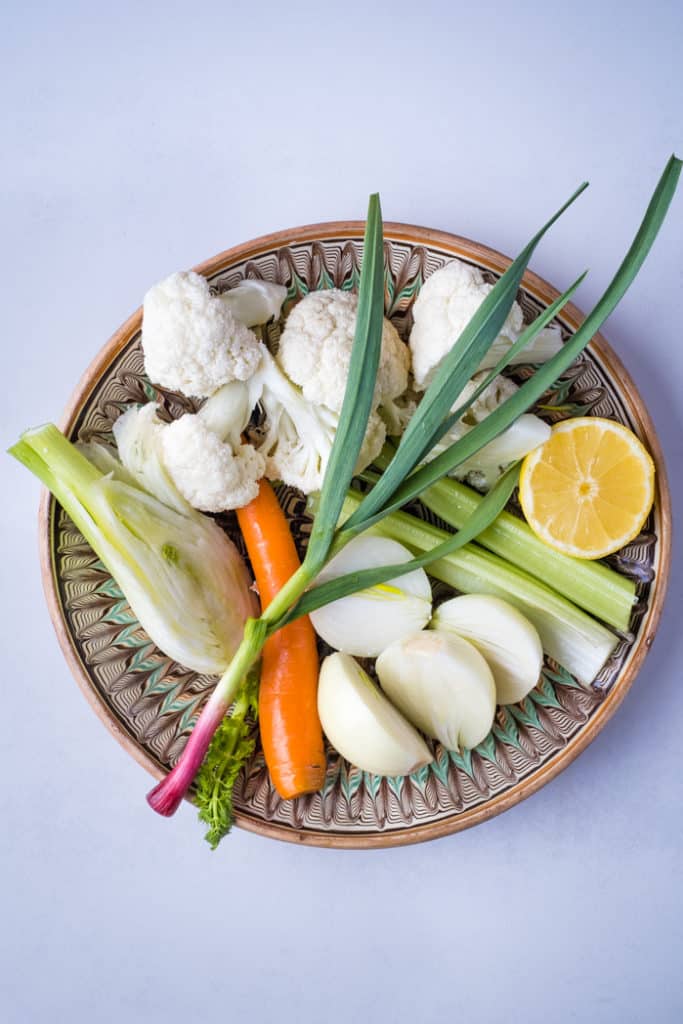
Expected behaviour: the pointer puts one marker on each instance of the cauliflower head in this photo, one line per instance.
(211, 474)
(447, 301)
(315, 350)
(192, 340)
(197, 460)
(296, 435)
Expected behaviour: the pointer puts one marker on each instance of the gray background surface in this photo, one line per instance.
(139, 139)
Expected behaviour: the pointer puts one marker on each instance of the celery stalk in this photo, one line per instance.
(591, 585)
(569, 636)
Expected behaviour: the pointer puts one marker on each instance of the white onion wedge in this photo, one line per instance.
(507, 640)
(442, 684)
(362, 724)
(367, 622)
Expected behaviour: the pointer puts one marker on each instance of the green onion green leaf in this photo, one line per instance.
(360, 388)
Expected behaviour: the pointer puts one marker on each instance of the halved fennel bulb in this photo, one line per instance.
(362, 724)
(509, 643)
(442, 684)
(367, 622)
(182, 576)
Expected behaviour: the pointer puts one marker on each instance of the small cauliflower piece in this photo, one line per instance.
(397, 414)
(498, 391)
(540, 349)
(446, 303)
(204, 453)
(192, 340)
(315, 350)
(198, 459)
(297, 433)
(211, 474)
(138, 433)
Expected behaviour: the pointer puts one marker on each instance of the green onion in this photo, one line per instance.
(569, 636)
(166, 797)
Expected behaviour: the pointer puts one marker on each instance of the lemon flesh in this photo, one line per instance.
(588, 490)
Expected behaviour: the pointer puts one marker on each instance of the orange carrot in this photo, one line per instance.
(291, 734)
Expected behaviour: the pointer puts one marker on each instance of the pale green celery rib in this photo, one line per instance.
(569, 636)
(591, 585)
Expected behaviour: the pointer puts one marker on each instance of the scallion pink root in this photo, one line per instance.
(167, 796)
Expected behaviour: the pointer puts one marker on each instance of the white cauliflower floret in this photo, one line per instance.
(491, 397)
(398, 413)
(447, 301)
(192, 340)
(315, 350)
(198, 459)
(254, 301)
(297, 433)
(210, 473)
(373, 442)
(445, 305)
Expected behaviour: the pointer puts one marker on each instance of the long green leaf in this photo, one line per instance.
(426, 425)
(486, 513)
(360, 386)
(544, 377)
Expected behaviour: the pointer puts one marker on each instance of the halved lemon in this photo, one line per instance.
(587, 491)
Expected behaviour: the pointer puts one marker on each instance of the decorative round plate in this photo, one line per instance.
(149, 702)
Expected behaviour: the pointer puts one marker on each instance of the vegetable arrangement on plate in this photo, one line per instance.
(317, 413)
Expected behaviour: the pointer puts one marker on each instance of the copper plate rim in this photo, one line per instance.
(467, 249)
